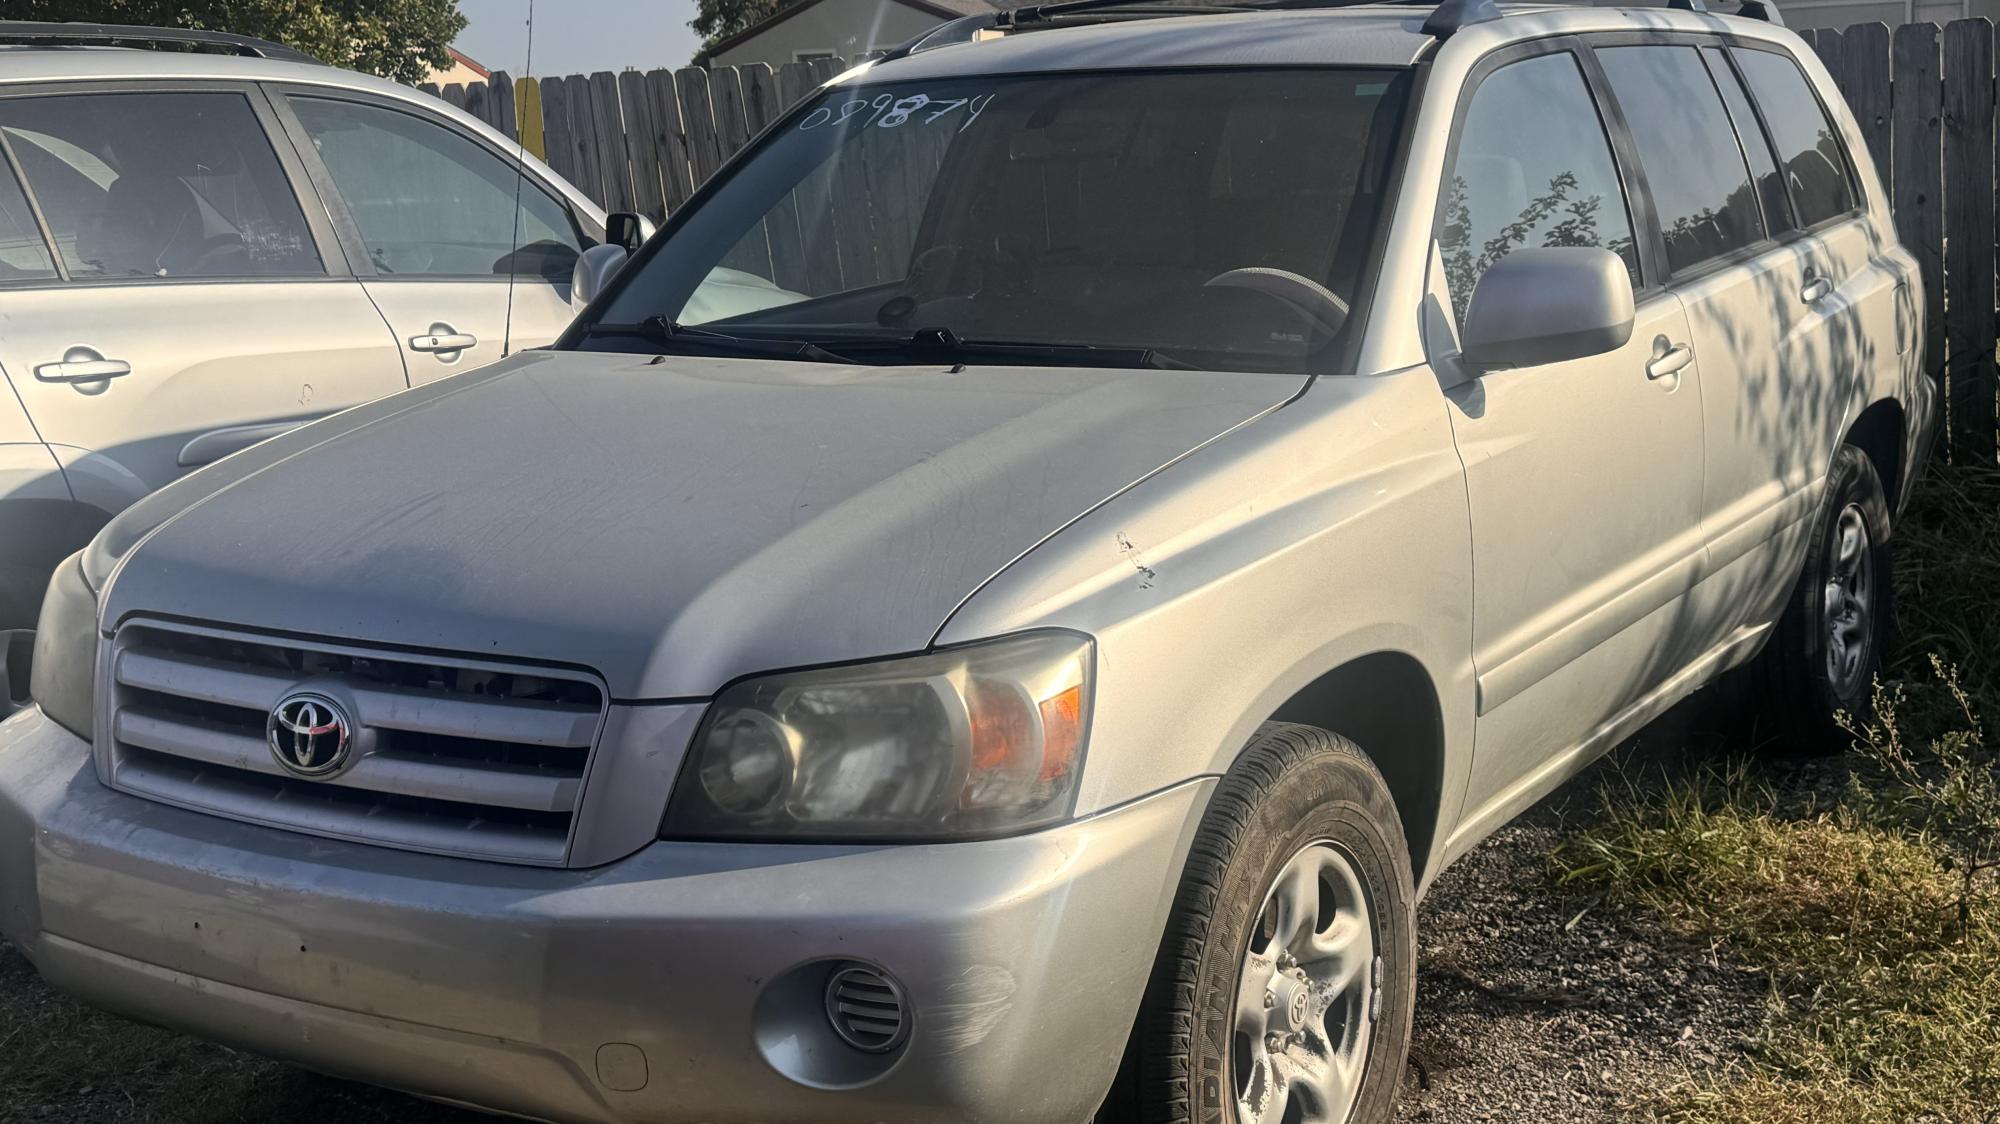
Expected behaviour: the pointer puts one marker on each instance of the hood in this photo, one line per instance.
(670, 524)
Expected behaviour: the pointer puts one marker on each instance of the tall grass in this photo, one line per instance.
(1877, 917)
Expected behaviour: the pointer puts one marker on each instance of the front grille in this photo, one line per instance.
(454, 756)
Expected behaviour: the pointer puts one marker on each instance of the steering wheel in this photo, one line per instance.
(1317, 303)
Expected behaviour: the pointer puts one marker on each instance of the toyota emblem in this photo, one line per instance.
(310, 734)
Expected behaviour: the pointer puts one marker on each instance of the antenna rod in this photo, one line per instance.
(520, 175)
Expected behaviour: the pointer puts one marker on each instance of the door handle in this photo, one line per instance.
(1816, 290)
(445, 340)
(82, 364)
(1672, 361)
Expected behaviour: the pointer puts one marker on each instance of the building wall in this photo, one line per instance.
(1841, 13)
(845, 28)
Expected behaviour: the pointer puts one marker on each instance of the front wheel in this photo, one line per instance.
(1285, 984)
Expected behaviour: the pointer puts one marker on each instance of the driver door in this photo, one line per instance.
(1584, 477)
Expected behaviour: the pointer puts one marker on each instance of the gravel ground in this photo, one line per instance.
(1534, 1005)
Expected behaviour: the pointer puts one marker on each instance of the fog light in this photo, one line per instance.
(866, 1008)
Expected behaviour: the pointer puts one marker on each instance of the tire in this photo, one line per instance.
(1813, 668)
(1309, 805)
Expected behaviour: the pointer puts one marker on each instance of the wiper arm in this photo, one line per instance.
(945, 345)
(661, 331)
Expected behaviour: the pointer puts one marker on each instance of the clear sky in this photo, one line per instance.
(578, 36)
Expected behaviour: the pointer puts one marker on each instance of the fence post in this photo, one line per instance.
(1916, 167)
(1968, 178)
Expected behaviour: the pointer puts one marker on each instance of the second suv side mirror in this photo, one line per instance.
(593, 271)
(1546, 305)
(627, 230)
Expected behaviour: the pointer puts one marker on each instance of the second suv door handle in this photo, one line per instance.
(1672, 361)
(82, 364)
(1816, 289)
(447, 340)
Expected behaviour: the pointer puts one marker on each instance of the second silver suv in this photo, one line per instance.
(1005, 603)
(201, 249)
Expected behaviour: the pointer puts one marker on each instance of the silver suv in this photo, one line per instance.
(202, 248)
(1040, 564)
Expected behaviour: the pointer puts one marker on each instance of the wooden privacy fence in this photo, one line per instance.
(640, 140)
(1924, 95)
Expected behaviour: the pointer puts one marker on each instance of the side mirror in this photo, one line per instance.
(623, 228)
(1538, 306)
(594, 270)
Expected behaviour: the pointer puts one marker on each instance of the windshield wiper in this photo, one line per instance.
(945, 346)
(662, 332)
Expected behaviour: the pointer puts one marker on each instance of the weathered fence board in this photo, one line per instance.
(501, 108)
(1968, 207)
(676, 180)
(642, 145)
(614, 163)
(556, 129)
(1864, 78)
(583, 136)
(698, 119)
(1923, 96)
(1916, 164)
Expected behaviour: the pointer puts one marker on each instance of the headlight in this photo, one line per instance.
(65, 664)
(981, 740)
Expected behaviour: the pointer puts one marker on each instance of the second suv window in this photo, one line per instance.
(1700, 184)
(429, 202)
(159, 185)
(1552, 185)
(1814, 164)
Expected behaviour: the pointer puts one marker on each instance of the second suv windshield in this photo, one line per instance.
(1214, 218)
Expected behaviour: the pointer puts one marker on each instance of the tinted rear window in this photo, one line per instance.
(1701, 186)
(1808, 148)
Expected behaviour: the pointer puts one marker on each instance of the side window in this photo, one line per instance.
(1700, 184)
(23, 254)
(159, 185)
(1552, 185)
(430, 202)
(1756, 145)
(1815, 167)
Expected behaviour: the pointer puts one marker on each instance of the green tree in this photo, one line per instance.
(719, 19)
(400, 39)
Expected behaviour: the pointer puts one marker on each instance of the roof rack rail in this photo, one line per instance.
(1446, 18)
(1454, 14)
(61, 34)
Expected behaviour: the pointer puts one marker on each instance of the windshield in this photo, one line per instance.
(1219, 219)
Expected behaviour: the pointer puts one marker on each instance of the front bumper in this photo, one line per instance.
(628, 992)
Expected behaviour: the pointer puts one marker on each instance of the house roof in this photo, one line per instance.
(942, 9)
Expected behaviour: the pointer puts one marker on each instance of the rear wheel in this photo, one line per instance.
(1829, 644)
(1285, 984)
